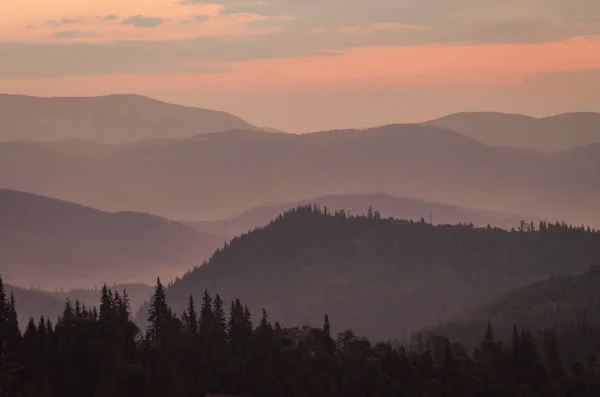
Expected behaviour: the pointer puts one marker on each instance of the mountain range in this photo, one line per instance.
(133, 163)
(51, 244)
(106, 119)
(546, 134)
(379, 277)
(123, 118)
(216, 176)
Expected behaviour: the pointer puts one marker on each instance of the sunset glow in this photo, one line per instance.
(233, 49)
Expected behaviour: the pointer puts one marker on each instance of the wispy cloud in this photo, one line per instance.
(71, 34)
(255, 29)
(196, 19)
(141, 21)
(63, 21)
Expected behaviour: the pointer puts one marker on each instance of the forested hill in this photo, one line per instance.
(556, 302)
(212, 351)
(52, 243)
(388, 205)
(138, 293)
(50, 304)
(381, 277)
(32, 303)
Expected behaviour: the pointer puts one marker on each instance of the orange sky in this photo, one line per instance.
(254, 62)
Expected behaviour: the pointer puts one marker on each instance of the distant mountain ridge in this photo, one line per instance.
(217, 175)
(387, 205)
(34, 304)
(547, 134)
(51, 243)
(106, 119)
(123, 118)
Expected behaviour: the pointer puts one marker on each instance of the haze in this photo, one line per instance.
(301, 198)
(304, 66)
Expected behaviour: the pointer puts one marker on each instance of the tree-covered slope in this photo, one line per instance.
(388, 205)
(32, 303)
(138, 293)
(50, 243)
(380, 277)
(555, 302)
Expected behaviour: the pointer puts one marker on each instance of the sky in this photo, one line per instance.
(307, 65)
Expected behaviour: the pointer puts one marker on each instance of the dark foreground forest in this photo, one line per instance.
(101, 353)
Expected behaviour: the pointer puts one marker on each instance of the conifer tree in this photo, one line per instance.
(488, 345)
(12, 320)
(3, 314)
(327, 326)
(125, 309)
(206, 318)
(219, 338)
(158, 315)
(68, 312)
(106, 303)
(191, 319)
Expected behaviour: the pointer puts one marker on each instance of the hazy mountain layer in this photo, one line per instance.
(112, 118)
(34, 304)
(547, 134)
(51, 243)
(137, 293)
(380, 277)
(216, 176)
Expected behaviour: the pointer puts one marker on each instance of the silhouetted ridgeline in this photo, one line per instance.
(209, 349)
(33, 302)
(359, 204)
(108, 119)
(381, 277)
(547, 134)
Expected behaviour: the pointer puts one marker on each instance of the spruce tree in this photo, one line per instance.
(327, 326)
(191, 320)
(206, 318)
(219, 338)
(125, 309)
(158, 315)
(105, 303)
(3, 314)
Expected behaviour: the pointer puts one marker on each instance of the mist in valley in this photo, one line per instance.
(166, 230)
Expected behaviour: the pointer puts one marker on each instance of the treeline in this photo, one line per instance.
(365, 269)
(101, 353)
(557, 302)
